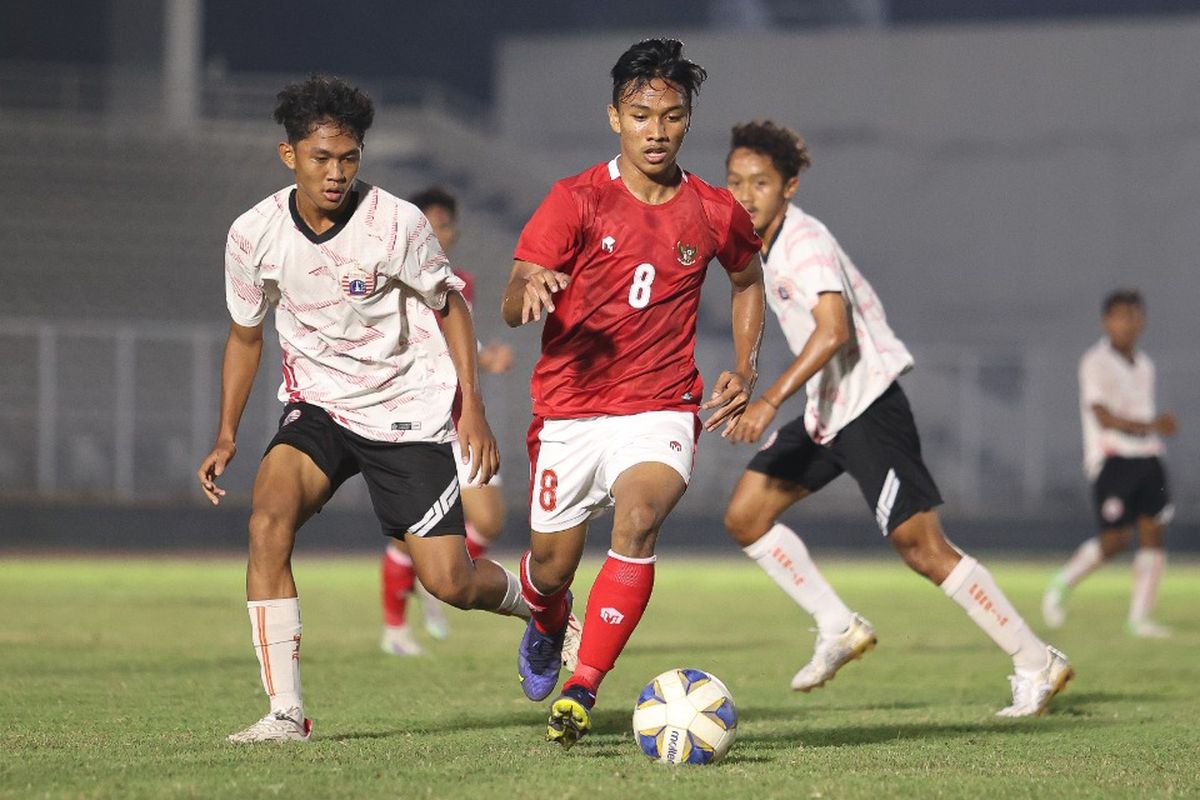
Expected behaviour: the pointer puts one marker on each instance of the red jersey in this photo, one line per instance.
(622, 337)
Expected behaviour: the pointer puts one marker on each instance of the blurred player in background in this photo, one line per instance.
(857, 420)
(483, 504)
(358, 282)
(1122, 449)
(614, 259)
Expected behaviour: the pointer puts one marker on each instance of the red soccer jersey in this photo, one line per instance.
(622, 337)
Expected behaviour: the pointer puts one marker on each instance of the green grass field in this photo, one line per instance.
(121, 678)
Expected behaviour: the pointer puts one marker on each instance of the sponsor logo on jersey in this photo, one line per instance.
(1112, 509)
(406, 426)
(358, 283)
(608, 244)
(611, 616)
(686, 253)
(292, 416)
(676, 446)
(688, 397)
(783, 293)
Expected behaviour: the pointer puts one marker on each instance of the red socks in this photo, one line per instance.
(477, 546)
(549, 610)
(615, 606)
(398, 580)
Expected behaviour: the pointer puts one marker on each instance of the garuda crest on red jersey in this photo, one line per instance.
(686, 253)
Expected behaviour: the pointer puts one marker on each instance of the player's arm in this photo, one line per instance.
(530, 292)
(734, 387)
(830, 335)
(1163, 424)
(475, 437)
(243, 349)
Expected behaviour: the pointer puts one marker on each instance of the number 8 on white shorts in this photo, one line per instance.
(575, 462)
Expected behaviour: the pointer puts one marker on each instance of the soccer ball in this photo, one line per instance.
(685, 716)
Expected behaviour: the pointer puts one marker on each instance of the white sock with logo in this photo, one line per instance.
(973, 588)
(783, 556)
(275, 632)
(1148, 566)
(1082, 563)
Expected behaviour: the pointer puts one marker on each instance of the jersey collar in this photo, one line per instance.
(315, 238)
(614, 171)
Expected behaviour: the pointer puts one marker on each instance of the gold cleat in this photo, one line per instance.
(570, 720)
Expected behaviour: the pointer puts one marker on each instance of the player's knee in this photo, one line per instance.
(551, 571)
(744, 524)
(271, 534)
(635, 532)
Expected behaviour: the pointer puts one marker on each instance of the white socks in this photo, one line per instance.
(1148, 566)
(783, 556)
(1081, 564)
(513, 604)
(275, 631)
(974, 588)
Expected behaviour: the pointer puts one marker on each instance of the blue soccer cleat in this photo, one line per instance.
(539, 659)
(570, 716)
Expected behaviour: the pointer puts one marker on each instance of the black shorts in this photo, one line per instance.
(1128, 488)
(413, 485)
(880, 449)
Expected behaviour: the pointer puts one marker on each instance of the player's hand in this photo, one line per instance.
(540, 288)
(476, 442)
(211, 469)
(1166, 425)
(756, 419)
(730, 395)
(495, 358)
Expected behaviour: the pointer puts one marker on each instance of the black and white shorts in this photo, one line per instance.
(1128, 488)
(880, 449)
(413, 485)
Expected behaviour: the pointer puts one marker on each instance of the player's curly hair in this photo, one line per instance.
(656, 58)
(1123, 297)
(785, 147)
(323, 98)
(435, 196)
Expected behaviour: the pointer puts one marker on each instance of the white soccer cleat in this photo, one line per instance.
(571, 640)
(1052, 604)
(433, 611)
(1145, 629)
(833, 652)
(400, 642)
(278, 726)
(1031, 693)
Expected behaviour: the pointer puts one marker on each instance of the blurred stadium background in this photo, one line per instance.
(994, 167)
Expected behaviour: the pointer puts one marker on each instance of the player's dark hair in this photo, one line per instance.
(656, 58)
(435, 196)
(1123, 297)
(322, 98)
(785, 147)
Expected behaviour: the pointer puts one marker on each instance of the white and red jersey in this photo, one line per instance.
(355, 311)
(803, 262)
(1126, 389)
(622, 337)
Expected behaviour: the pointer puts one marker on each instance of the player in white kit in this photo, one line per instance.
(358, 283)
(1122, 449)
(856, 420)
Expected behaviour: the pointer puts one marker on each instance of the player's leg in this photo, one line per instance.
(443, 566)
(1152, 504)
(564, 493)
(397, 584)
(288, 489)
(643, 495)
(752, 520)
(1083, 562)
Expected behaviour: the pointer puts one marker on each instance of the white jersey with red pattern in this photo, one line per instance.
(1125, 388)
(803, 262)
(355, 311)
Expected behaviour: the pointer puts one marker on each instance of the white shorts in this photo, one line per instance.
(575, 462)
(464, 471)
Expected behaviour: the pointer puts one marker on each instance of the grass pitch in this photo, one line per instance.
(121, 678)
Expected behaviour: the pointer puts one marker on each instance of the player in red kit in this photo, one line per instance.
(614, 259)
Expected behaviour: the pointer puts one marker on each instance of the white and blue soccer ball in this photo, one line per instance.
(685, 716)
